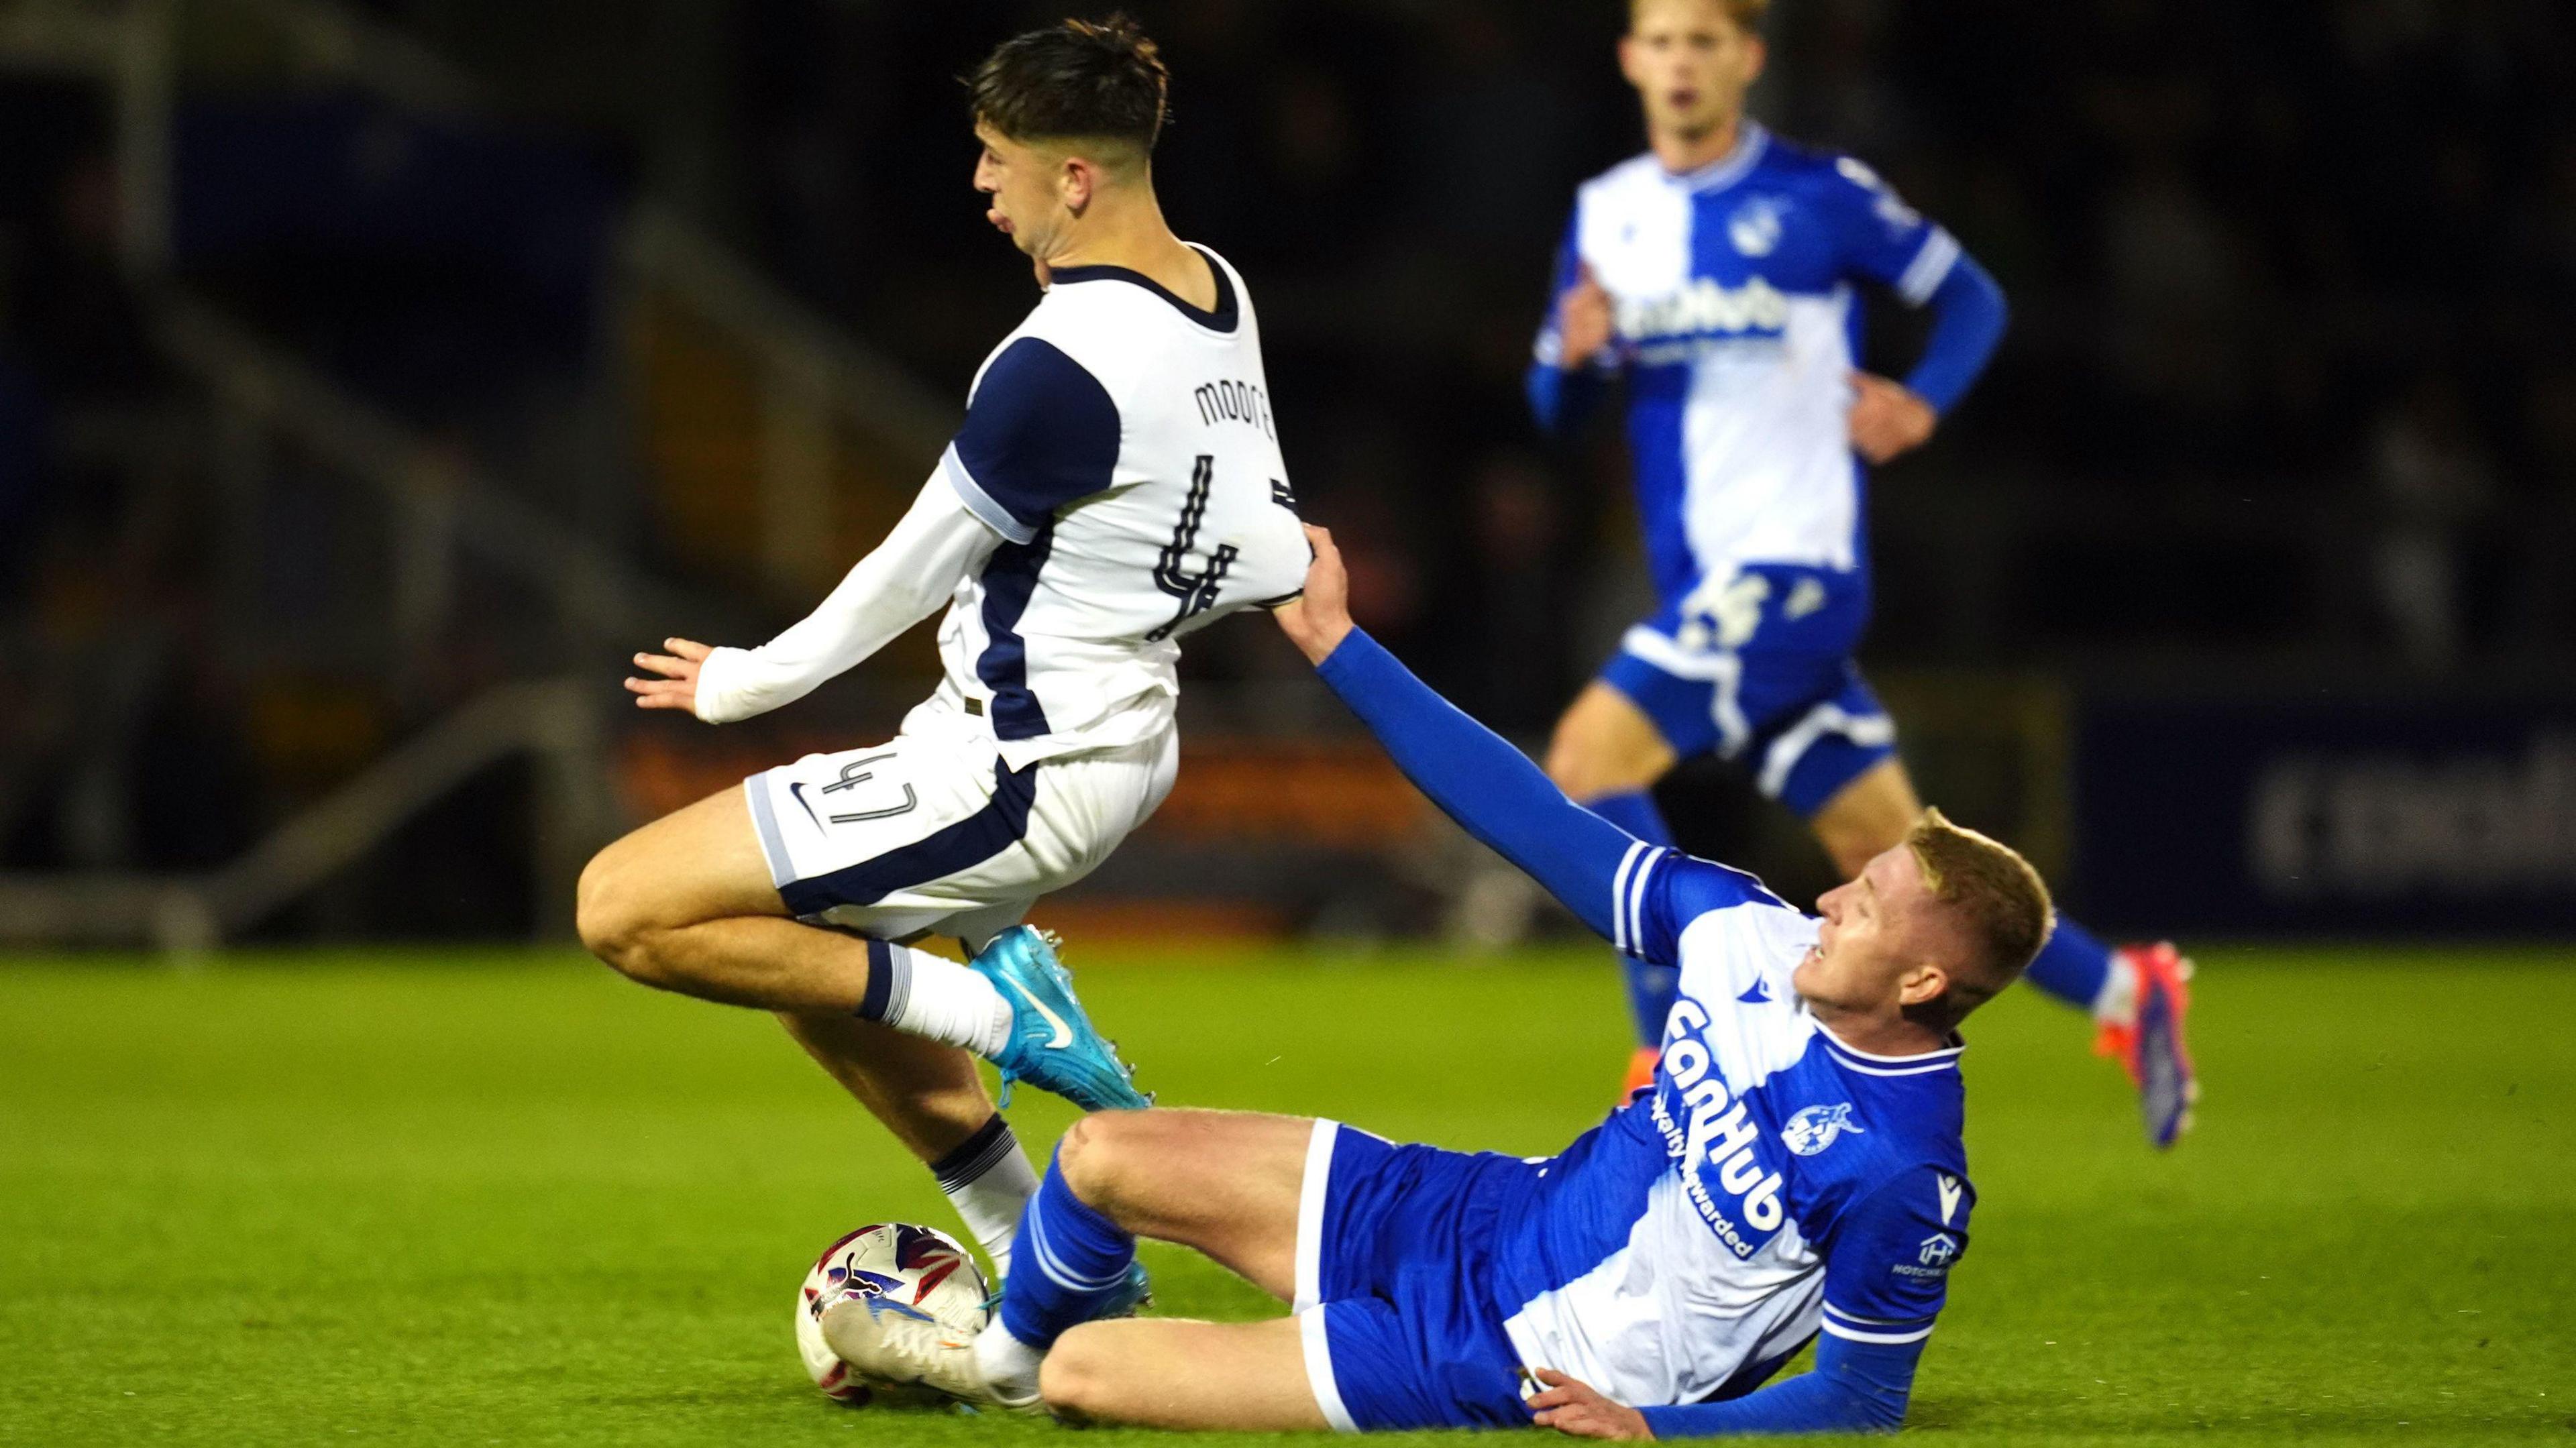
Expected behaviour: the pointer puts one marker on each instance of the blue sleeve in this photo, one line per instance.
(1560, 397)
(1041, 432)
(1887, 1273)
(1482, 782)
(1856, 1387)
(1887, 1263)
(1968, 315)
(1879, 237)
(1668, 890)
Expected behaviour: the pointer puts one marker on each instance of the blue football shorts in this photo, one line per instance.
(1757, 667)
(1392, 1245)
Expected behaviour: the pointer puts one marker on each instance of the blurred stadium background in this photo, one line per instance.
(375, 376)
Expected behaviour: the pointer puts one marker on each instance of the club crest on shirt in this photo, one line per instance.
(1815, 1128)
(1755, 227)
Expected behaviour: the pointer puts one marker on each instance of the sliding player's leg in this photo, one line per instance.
(1378, 1247)
(1606, 755)
(1169, 1373)
(1225, 1183)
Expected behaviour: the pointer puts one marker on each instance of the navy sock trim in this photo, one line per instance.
(881, 999)
(989, 1147)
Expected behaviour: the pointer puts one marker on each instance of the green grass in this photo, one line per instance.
(508, 1199)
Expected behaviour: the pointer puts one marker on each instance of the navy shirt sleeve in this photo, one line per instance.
(1883, 239)
(1661, 894)
(1888, 1270)
(1040, 433)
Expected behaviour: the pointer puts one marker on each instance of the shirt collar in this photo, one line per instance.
(1751, 140)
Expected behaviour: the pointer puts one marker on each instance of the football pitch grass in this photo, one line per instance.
(462, 1198)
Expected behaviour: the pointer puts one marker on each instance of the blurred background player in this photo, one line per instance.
(1714, 275)
(1117, 483)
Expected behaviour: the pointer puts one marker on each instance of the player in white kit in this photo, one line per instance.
(1117, 483)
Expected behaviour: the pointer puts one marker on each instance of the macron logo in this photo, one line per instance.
(1949, 1197)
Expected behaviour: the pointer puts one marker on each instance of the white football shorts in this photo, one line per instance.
(933, 830)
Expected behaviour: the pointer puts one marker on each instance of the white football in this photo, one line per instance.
(923, 1268)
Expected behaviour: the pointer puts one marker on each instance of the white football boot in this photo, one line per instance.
(891, 1343)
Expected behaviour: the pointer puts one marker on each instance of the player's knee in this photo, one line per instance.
(606, 916)
(1076, 1379)
(1586, 766)
(1094, 1155)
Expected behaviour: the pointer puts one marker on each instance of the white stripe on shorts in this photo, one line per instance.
(1319, 1367)
(1310, 1216)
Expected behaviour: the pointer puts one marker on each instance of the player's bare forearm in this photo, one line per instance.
(1317, 620)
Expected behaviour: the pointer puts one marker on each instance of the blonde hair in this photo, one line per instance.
(1999, 901)
(1747, 14)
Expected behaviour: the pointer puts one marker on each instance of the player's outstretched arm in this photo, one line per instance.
(937, 543)
(1473, 774)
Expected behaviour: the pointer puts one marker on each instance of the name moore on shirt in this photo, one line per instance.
(1718, 1132)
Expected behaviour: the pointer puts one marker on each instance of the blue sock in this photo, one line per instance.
(2072, 965)
(1651, 988)
(1069, 1264)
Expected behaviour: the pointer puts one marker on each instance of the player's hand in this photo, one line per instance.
(1574, 1409)
(1887, 419)
(678, 686)
(1317, 620)
(1583, 321)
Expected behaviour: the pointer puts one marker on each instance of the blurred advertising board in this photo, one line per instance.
(2327, 815)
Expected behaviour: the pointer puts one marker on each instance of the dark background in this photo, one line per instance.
(2288, 407)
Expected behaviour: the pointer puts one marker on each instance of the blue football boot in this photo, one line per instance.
(1052, 1045)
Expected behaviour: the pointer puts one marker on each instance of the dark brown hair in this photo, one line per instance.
(1092, 80)
(1998, 900)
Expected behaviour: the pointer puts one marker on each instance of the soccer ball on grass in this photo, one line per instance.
(917, 1269)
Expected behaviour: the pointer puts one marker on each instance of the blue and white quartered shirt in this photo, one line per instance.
(1773, 1183)
(1737, 326)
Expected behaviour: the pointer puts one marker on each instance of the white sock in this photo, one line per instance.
(989, 1181)
(2117, 1001)
(1005, 1362)
(920, 994)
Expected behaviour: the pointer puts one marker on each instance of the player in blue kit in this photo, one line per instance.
(1795, 1168)
(1715, 276)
